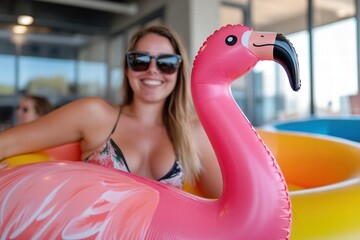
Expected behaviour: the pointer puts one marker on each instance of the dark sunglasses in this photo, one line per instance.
(165, 63)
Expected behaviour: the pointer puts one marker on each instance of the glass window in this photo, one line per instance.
(297, 104)
(278, 100)
(265, 94)
(7, 90)
(92, 70)
(7, 76)
(335, 63)
(116, 52)
(46, 76)
(92, 78)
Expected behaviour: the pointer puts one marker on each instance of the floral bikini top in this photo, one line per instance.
(110, 155)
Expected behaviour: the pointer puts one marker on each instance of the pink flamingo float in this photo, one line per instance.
(76, 200)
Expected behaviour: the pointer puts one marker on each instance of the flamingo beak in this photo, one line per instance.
(272, 46)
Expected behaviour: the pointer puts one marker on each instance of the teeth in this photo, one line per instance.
(152, 82)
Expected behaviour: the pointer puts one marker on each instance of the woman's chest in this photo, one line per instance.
(148, 152)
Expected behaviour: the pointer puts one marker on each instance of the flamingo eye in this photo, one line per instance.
(231, 40)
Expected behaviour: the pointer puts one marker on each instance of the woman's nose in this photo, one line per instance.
(153, 67)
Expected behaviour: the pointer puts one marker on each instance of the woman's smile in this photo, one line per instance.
(152, 82)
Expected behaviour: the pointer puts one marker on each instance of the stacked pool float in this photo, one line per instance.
(320, 158)
(347, 127)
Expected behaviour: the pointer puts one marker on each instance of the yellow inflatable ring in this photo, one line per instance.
(26, 159)
(323, 175)
(70, 151)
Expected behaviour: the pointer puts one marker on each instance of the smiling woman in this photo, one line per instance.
(154, 133)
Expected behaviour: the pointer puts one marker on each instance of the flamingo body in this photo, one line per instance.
(75, 200)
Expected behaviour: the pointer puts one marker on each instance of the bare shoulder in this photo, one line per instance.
(89, 109)
(96, 113)
(94, 117)
(91, 105)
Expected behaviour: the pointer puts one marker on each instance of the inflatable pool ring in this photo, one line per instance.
(347, 127)
(79, 200)
(70, 152)
(323, 175)
(324, 185)
(27, 158)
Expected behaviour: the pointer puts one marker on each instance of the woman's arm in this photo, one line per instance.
(72, 122)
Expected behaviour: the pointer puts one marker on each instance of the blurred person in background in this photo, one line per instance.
(32, 107)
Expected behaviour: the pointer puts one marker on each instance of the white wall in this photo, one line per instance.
(193, 20)
(204, 20)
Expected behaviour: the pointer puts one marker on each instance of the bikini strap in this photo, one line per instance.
(117, 120)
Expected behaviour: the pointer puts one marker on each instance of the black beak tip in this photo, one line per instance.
(285, 54)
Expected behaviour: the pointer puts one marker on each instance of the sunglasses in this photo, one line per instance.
(165, 63)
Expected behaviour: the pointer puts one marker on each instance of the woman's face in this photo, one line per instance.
(25, 112)
(152, 85)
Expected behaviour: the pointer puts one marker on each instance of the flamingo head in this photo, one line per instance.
(234, 50)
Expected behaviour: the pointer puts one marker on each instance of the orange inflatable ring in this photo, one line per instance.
(27, 158)
(323, 175)
(70, 151)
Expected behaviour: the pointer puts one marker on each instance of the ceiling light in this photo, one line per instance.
(19, 29)
(25, 20)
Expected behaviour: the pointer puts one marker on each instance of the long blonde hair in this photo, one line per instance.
(178, 109)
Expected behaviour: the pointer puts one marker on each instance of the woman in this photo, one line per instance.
(154, 133)
(32, 107)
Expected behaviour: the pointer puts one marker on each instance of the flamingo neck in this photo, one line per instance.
(241, 154)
